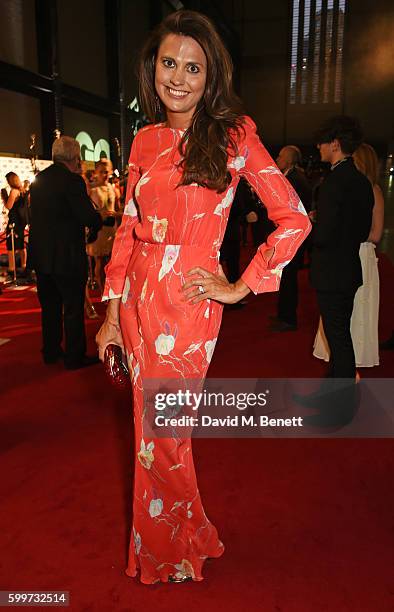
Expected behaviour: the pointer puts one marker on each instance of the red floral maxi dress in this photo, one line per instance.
(165, 337)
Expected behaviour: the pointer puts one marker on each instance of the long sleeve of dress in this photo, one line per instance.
(284, 208)
(124, 240)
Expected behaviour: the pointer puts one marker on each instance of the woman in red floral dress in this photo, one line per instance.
(164, 284)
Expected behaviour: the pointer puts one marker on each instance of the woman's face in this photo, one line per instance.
(180, 75)
(102, 175)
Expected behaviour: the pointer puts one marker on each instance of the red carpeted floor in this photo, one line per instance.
(307, 524)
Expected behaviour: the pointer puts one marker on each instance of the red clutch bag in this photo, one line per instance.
(115, 366)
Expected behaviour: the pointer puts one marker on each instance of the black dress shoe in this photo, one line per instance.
(282, 326)
(330, 396)
(83, 363)
(51, 358)
(336, 408)
(313, 400)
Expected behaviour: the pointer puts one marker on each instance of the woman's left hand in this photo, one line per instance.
(213, 286)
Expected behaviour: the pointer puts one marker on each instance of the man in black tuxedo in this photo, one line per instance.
(343, 221)
(60, 212)
(289, 162)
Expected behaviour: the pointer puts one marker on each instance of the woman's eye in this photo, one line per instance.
(168, 63)
(193, 68)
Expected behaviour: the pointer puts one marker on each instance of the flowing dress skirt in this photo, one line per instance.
(166, 338)
(365, 316)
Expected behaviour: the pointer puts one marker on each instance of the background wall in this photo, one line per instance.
(18, 43)
(59, 55)
(83, 45)
(369, 86)
(264, 29)
(20, 117)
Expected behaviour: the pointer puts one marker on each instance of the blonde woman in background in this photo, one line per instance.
(365, 317)
(104, 198)
(88, 177)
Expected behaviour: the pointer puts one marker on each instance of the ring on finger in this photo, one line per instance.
(201, 289)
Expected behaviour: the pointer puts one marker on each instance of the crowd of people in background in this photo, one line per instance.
(248, 223)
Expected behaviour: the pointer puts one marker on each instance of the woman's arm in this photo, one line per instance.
(110, 332)
(284, 208)
(377, 216)
(124, 238)
(14, 194)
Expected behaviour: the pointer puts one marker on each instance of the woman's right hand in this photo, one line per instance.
(109, 333)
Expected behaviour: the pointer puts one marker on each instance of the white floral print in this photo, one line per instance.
(287, 233)
(301, 208)
(170, 256)
(192, 348)
(225, 203)
(144, 288)
(237, 163)
(130, 209)
(143, 180)
(155, 507)
(184, 568)
(270, 170)
(159, 228)
(137, 541)
(279, 268)
(209, 348)
(145, 454)
(126, 290)
(164, 344)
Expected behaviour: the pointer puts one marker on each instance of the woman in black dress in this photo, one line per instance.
(17, 206)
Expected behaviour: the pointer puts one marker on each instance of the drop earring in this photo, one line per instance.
(158, 105)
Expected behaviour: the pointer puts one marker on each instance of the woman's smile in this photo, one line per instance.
(176, 93)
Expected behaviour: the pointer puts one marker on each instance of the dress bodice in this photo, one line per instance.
(158, 210)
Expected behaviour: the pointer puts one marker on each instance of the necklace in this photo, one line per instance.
(333, 166)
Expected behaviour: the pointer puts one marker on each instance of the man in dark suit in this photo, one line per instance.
(60, 212)
(289, 162)
(343, 221)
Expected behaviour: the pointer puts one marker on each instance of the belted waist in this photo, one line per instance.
(168, 245)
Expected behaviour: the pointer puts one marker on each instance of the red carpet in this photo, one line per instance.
(307, 524)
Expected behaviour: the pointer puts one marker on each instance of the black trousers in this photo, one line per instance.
(62, 300)
(336, 310)
(288, 290)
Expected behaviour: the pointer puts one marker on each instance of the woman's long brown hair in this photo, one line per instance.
(218, 117)
(367, 162)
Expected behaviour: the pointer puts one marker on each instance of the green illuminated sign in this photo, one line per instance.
(90, 151)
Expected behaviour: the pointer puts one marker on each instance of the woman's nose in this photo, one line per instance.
(177, 77)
